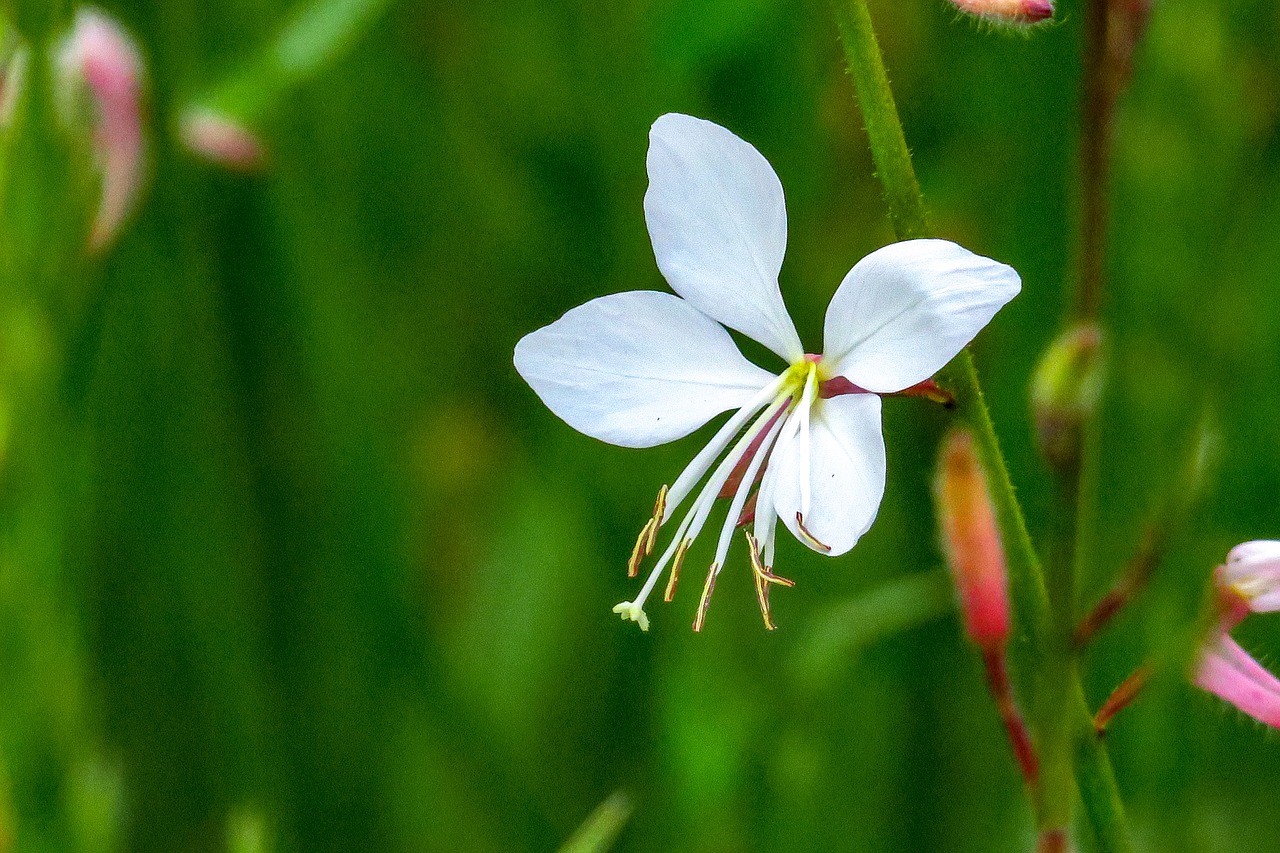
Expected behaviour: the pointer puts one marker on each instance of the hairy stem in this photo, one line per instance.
(1033, 640)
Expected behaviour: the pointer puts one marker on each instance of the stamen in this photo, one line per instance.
(764, 577)
(660, 506)
(707, 588)
(696, 517)
(762, 588)
(739, 470)
(809, 537)
(762, 449)
(676, 563)
(806, 405)
(643, 546)
(700, 464)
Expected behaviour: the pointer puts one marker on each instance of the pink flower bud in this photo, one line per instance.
(1227, 671)
(1018, 12)
(1252, 574)
(971, 541)
(101, 54)
(220, 139)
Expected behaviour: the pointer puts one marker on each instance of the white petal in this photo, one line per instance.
(846, 475)
(905, 310)
(637, 369)
(1254, 570)
(718, 223)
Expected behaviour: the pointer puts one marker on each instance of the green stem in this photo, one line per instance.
(1035, 639)
(318, 34)
(880, 113)
(1054, 717)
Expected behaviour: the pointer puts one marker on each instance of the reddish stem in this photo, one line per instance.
(1014, 726)
(1121, 697)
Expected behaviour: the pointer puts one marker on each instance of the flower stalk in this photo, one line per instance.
(1092, 766)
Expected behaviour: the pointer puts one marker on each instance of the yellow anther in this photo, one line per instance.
(764, 576)
(659, 510)
(676, 562)
(642, 548)
(707, 588)
(660, 505)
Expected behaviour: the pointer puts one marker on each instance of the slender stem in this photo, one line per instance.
(315, 36)
(1014, 726)
(880, 113)
(1095, 167)
(1058, 674)
(907, 213)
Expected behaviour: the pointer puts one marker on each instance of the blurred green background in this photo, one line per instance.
(292, 560)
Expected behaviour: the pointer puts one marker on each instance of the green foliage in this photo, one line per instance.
(290, 559)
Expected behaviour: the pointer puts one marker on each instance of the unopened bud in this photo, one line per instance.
(1065, 391)
(1015, 12)
(99, 53)
(971, 541)
(220, 139)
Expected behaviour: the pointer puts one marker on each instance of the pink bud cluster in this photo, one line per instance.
(971, 542)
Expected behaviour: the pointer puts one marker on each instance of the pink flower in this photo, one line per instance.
(1227, 671)
(1252, 575)
(99, 53)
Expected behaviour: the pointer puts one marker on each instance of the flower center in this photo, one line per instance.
(781, 408)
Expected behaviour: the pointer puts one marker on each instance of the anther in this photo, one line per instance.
(808, 537)
(659, 514)
(676, 562)
(644, 545)
(705, 602)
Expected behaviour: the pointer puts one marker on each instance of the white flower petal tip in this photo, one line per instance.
(718, 222)
(1252, 572)
(633, 612)
(908, 308)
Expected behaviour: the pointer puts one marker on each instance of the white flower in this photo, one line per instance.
(1252, 571)
(643, 368)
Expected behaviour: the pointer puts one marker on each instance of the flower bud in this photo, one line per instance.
(971, 541)
(1015, 12)
(1065, 391)
(1230, 673)
(220, 139)
(1251, 576)
(99, 53)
